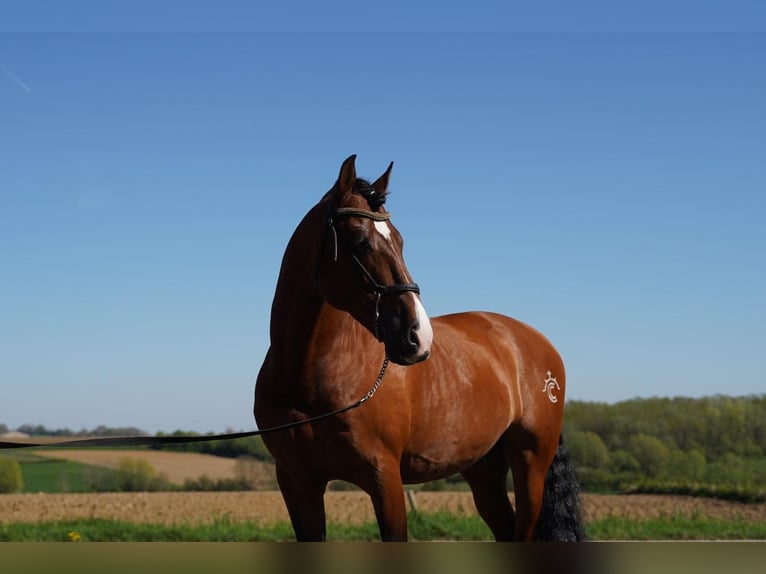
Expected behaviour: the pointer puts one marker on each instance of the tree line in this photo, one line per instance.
(252, 447)
(101, 430)
(710, 442)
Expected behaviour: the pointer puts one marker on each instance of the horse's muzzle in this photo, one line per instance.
(412, 343)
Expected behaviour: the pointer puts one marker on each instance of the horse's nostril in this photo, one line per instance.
(411, 343)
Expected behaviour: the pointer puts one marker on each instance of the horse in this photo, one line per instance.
(475, 393)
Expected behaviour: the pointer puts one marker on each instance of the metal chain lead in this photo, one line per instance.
(379, 380)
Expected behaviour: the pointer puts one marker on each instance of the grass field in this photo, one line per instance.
(55, 476)
(175, 466)
(75, 470)
(436, 526)
(244, 516)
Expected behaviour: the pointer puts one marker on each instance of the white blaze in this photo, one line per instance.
(383, 228)
(425, 333)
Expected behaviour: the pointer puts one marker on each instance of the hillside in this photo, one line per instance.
(176, 466)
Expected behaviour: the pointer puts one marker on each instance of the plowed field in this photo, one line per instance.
(345, 506)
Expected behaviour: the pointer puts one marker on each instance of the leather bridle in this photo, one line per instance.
(377, 288)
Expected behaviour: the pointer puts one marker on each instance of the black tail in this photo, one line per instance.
(561, 517)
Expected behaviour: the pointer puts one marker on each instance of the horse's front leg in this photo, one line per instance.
(385, 487)
(304, 499)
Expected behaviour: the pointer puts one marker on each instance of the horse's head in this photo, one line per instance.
(361, 269)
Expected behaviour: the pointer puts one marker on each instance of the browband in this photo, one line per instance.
(351, 211)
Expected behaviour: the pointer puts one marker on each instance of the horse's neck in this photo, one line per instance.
(310, 345)
(302, 323)
(304, 328)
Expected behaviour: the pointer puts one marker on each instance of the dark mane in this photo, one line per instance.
(365, 189)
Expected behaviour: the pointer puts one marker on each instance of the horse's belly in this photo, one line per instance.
(416, 470)
(442, 461)
(456, 428)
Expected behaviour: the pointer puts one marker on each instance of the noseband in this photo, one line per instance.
(376, 287)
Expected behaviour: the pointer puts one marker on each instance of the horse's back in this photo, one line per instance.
(513, 351)
(474, 334)
(536, 373)
(486, 373)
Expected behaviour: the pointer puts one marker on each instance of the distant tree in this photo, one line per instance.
(587, 449)
(683, 466)
(3, 429)
(622, 461)
(730, 470)
(233, 448)
(138, 475)
(650, 453)
(34, 430)
(10, 476)
(129, 475)
(103, 430)
(757, 418)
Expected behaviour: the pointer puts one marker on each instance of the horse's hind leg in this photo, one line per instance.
(488, 481)
(305, 504)
(529, 467)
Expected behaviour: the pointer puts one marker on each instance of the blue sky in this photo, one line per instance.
(607, 188)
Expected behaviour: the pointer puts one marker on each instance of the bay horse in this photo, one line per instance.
(472, 393)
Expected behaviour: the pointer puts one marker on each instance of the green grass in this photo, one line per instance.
(41, 473)
(438, 526)
(101, 530)
(53, 475)
(676, 528)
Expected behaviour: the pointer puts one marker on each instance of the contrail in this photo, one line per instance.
(18, 81)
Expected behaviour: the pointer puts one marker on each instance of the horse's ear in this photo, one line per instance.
(347, 176)
(381, 184)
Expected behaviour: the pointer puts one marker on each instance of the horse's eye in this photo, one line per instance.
(363, 244)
